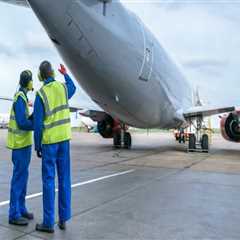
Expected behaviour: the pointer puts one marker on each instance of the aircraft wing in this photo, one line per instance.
(95, 115)
(6, 99)
(72, 108)
(22, 3)
(75, 108)
(206, 111)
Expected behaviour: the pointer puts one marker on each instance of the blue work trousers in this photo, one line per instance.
(56, 156)
(21, 159)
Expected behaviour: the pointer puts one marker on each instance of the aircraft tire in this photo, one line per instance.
(181, 138)
(117, 140)
(127, 140)
(192, 142)
(205, 142)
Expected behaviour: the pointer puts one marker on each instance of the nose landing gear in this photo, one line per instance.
(198, 142)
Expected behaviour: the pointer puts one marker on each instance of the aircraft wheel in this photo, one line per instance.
(205, 142)
(127, 140)
(181, 138)
(117, 140)
(192, 142)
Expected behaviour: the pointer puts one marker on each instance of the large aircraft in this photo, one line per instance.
(125, 70)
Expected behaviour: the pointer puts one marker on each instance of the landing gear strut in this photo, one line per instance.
(122, 138)
(198, 142)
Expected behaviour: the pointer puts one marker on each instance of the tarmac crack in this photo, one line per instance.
(30, 234)
(119, 162)
(16, 230)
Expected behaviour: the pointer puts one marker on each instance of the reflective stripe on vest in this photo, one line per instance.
(18, 138)
(16, 131)
(57, 123)
(57, 127)
(49, 112)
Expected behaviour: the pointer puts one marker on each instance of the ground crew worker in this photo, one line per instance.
(52, 132)
(20, 141)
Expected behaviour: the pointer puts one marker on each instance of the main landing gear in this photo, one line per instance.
(198, 142)
(122, 138)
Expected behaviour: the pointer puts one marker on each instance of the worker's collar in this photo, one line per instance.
(24, 90)
(50, 79)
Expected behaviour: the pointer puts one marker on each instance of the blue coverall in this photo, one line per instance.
(54, 155)
(21, 159)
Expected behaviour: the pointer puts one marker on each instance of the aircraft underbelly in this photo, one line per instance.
(107, 63)
(119, 87)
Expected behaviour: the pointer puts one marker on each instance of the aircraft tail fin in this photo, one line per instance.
(196, 98)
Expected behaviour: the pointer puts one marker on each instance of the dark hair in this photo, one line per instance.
(45, 70)
(25, 78)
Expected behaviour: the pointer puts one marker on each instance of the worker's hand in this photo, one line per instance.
(62, 69)
(30, 104)
(39, 154)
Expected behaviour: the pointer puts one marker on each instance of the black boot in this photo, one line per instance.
(18, 222)
(62, 225)
(42, 228)
(28, 216)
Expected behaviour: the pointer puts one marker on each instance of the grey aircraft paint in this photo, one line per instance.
(117, 60)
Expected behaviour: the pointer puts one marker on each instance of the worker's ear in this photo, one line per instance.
(30, 86)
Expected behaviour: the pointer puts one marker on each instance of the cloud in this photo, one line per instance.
(201, 62)
(33, 42)
(204, 37)
(6, 50)
(23, 45)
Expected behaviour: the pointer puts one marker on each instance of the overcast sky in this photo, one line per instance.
(203, 36)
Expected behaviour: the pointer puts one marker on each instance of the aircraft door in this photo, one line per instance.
(146, 70)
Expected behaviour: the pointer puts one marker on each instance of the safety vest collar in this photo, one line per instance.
(24, 91)
(49, 80)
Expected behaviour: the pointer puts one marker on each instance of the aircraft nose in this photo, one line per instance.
(39, 6)
(50, 12)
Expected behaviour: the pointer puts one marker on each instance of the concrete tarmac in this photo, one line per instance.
(154, 191)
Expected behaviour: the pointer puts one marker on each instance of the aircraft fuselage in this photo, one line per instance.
(118, 62)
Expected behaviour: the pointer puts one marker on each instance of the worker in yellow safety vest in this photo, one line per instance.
(52, 132)
(20, 142)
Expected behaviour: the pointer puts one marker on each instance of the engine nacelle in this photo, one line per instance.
(108, 126)
(230, 126)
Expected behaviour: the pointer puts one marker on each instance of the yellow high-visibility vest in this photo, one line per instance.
(57, 123)
(18, 138)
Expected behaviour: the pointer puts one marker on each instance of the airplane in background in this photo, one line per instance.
(4, 117)
(4, 120)
(89, 124)
(125, 70)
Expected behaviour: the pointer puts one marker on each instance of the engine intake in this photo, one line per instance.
(105, 127)
(230, 127)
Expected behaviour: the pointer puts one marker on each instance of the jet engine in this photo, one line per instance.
(108, 126)
(230, 126)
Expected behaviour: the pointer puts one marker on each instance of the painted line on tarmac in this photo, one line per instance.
(77, 185)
